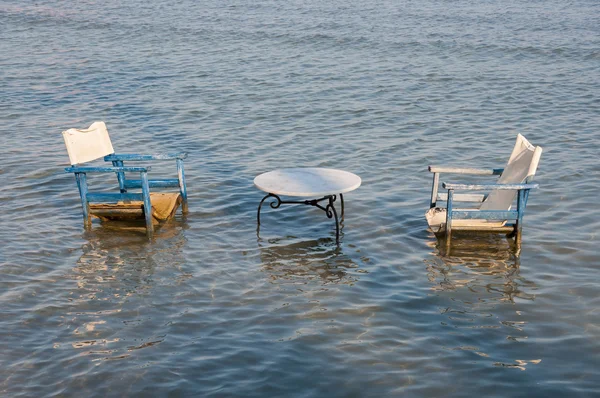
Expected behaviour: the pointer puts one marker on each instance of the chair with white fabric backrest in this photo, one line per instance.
(493, 211)
(86, 145)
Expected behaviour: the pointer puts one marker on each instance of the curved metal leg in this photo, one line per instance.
(342, 200)
(274, 205)
(330, 211)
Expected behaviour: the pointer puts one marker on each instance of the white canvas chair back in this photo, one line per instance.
(521, 166)
(88, 144)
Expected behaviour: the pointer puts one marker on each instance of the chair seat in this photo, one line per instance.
(164, 206)
(436, 218)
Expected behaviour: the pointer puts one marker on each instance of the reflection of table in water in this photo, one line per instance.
(308, 182)
(312, 260)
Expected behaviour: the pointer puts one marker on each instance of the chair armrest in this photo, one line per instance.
(136, 157)
(78, 169)
(477, 187)
(461, 170)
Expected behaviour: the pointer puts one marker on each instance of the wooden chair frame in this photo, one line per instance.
(144, 183)
(94, 143)
(514, 229)
(88, 197)
(179, 182)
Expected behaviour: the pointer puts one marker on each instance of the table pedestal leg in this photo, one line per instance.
(329, 209)
(274, 205)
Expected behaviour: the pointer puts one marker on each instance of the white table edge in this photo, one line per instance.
(312, 194)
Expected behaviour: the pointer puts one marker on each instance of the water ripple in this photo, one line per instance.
(214, 307)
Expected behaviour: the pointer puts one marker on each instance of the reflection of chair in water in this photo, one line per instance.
(112, 252)
(94, 143)
(109, 306)
(482, 300)
(484, 265)
(494, 210)
(307, 261)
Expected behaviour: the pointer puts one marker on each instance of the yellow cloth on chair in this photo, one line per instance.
(164, 206)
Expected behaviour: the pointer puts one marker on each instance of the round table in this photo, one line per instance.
(308, 182)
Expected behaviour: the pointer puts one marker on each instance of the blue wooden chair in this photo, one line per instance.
(494, 212)
(94, 143)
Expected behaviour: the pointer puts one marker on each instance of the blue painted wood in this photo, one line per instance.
(88, 169)
(464, 170)
(144, 183)
(120, 176)
(519, 224)
(166, 183)
(83, 192)
(182, 186)
(485, 215)
(526, 197)
(449, 215)
(114, 197)
(147, 204)
(163, 183)
(434, 189)
(140, 157)
(475, 187)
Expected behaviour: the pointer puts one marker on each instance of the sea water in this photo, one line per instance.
(210, 307)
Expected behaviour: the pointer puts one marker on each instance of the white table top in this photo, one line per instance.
(309, 181)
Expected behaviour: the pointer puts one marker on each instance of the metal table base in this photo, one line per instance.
(329, 208)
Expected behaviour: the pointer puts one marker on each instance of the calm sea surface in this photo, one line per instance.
(378, 88)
